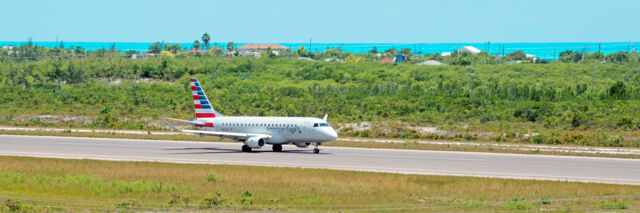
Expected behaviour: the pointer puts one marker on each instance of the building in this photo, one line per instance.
(446, 54)
(385, 60)
(431, 63)
(9, 49)
(399, 58)
(305, 58)
(468, 49)
(142, 55)
(334, 59)
(195, 50)
(251, 49)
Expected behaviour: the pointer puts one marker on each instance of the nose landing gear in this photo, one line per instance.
(315, 149)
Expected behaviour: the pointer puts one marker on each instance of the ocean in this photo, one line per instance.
(547, 51)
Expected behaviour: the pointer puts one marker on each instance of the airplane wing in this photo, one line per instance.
(238, 135)
(231, 135)
(221, 134)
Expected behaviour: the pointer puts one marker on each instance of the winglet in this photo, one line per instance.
(325, 117)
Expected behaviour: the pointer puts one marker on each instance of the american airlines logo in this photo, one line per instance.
(291, 130)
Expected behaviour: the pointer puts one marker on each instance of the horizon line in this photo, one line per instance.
(525, 42)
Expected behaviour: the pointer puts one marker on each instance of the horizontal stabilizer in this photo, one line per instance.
(185, 121)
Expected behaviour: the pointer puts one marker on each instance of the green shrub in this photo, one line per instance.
(212, 201)
(615, 205)
(211, 177)
(517, 204)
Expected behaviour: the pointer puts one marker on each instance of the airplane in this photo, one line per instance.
(255, 131)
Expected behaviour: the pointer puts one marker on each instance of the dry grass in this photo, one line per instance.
(284, 188)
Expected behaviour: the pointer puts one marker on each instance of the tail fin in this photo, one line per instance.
(201, 102)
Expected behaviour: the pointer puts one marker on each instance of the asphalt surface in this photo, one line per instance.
(542, 167)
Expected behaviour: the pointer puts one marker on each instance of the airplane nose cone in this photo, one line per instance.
(332, 134)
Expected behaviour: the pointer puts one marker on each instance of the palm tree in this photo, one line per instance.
(155, 48)
(196, 44)
(230, 46)
(205, 39)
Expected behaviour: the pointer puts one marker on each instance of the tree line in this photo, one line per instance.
(125, 93)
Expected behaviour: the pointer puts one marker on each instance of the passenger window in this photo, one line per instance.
(315, 125)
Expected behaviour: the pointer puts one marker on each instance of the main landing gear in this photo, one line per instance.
(246, 148)
(277, 147)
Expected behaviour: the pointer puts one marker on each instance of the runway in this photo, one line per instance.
(541, 167)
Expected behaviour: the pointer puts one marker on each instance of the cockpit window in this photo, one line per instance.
(321, 124)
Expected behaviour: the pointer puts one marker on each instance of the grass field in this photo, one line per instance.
(40, 184)
(361, 143)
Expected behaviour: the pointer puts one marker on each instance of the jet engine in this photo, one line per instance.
(302, 145)
(255, 142)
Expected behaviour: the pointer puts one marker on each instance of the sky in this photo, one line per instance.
(324, 21)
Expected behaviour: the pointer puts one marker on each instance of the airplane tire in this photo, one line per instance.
(246, 148)
(277, 147)
(316, 150)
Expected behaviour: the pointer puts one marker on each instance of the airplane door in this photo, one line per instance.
(305, 129)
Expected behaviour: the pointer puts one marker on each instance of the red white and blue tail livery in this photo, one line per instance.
(253, 131)
(201, 102)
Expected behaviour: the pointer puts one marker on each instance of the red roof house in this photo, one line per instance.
(258, 47)
(194, 50)
(385, 60)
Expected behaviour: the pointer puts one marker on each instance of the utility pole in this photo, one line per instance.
(502, 58)
(599, 47)
(470, 69)
(593, 76)
(309, 44)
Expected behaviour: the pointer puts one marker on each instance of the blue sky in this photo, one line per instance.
(325, 21)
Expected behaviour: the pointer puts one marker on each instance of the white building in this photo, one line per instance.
(142, 55)
(431, 63)
(251, 49)
(468, 49)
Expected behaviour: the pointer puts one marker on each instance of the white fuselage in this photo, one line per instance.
(282, 129)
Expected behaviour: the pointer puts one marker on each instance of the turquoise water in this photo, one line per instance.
(548, 51)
